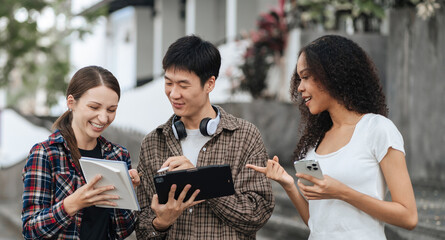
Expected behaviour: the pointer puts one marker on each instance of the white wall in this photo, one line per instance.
(121, 43)
(144, 42)
(91, 49)
(168, 26)
(132, 41)
(249, 10)
(210, 19)
(121, 54)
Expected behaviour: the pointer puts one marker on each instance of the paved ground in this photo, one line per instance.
(431, 209)
(10, 223)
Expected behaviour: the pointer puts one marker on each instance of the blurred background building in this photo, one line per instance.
(42, 43)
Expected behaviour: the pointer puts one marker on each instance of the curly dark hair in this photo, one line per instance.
(343, 68)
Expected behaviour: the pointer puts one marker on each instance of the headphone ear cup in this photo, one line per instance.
(203, 126)
(179, 129)
(212, 125)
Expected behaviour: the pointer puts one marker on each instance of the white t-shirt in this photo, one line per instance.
(192, 144)
(356, 165)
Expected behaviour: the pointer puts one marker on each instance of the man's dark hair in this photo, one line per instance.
(191, 53)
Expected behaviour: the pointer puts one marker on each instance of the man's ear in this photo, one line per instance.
(70, 101)
(210, 84)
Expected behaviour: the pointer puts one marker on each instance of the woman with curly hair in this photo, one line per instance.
(345, 128)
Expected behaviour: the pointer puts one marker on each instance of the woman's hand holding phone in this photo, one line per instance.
(314, 185)
(326, 188)
(308, 167)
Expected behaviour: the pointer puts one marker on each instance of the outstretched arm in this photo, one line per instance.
(276, 172)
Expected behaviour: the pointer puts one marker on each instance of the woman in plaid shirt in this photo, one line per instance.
(57, 202)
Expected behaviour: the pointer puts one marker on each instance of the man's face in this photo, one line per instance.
(185, 93)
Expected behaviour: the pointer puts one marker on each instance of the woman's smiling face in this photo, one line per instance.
(315, 97)
(93, 112)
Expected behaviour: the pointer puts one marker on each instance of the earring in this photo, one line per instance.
(69, 109)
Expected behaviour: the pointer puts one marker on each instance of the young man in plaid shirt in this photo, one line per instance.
(186, 140)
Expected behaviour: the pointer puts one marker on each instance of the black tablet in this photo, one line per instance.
(212, 181)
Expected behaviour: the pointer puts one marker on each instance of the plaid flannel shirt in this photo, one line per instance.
(236, 142)
(50, 176)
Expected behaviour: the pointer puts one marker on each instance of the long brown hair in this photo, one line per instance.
(344, 69)
(83, 80)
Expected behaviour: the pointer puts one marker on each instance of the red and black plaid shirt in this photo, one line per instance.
(50, 176)
(236, 142)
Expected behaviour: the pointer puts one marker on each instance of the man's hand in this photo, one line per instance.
(135, 177)
(166, 214)
(177, 163)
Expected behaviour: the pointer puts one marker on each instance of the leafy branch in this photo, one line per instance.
(34, 56)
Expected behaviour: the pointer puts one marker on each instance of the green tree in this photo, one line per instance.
(329, 13)
(33, 58)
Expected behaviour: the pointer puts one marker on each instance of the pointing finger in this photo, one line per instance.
(275, 158)
(256, 168)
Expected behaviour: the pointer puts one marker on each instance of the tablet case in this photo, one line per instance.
(212, 181)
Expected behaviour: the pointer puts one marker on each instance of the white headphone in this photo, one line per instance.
(207, 126)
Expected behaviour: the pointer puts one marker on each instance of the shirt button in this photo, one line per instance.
(204, 149)
(190, 210)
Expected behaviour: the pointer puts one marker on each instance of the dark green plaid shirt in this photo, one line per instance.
(236, 142)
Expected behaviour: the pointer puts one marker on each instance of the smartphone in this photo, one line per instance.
(309, 167)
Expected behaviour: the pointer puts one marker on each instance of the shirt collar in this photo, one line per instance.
(57, 138)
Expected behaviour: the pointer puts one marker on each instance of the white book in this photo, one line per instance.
(113, 173)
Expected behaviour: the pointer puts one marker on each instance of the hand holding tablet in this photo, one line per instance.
(212, 181)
